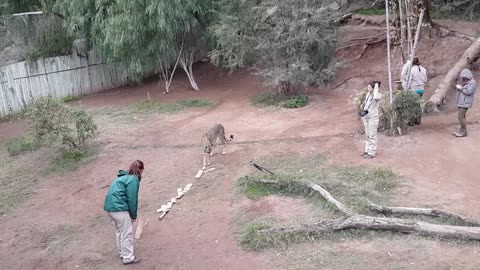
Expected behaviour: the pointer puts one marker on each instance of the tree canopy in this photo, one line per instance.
(289, 43)
(135, 31)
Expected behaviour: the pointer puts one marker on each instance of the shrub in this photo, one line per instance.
(297, 101)
(54, 122)
(394, 118)
(68, 98)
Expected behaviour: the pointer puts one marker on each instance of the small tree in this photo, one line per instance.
(54, 122)
(290, 44)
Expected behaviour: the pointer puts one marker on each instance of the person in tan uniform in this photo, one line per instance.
(370, 118)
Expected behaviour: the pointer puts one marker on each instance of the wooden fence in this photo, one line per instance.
(57, 77)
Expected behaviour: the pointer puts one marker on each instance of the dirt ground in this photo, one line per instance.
(61, 225)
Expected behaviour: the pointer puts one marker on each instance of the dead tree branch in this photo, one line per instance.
(364, 222)
(421, 212)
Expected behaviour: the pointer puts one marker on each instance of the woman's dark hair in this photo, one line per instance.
(416, 61)
(372, 83)
(136, 169)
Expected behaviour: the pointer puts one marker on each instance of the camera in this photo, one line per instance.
(363, 113)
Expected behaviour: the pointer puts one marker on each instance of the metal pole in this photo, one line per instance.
(388, 52)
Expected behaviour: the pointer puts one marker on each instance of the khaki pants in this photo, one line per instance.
(371, 126)
(462, 118)
(124, 234)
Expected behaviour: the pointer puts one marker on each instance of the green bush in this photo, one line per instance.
(394, 118)
(17, 146)
(68, 98)
(297, 101)
(54, 122)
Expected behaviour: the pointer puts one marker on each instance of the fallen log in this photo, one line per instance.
(439, 95)
(421, 212)
(364, 222)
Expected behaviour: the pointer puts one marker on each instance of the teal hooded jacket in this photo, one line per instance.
(123, 194)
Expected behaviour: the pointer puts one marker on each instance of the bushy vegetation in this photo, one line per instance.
(54, 122)
(395, 117)
(290, 44)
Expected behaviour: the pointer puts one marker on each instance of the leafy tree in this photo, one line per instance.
(288, 43)
(141, 33)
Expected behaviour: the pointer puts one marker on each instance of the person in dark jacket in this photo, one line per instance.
(121, 204)
(465, 97)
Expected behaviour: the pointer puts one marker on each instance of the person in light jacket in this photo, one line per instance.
(370, 118)
(121, 204)
(465, 97)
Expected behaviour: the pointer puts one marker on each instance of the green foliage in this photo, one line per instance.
(394, 118)
(51, 39)
(288, 43)
(297, 101)
(140, 33)
(17, 146)
(18, 6)
(54, 122)
(68, 99)
(459, 9)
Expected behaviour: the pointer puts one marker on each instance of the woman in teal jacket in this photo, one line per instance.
(121, 204)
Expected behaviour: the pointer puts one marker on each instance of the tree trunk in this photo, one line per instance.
(414, 49)
(403, 33)
(447, 83)
(186, 62)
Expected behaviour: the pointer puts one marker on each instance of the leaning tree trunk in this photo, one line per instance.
(447, 83)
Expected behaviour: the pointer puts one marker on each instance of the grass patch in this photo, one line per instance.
(356, 187)
(68, 99)
(370, 11)
(266, 99)
(251, 239)
(68, 161)
(195, 103)
(20, 145)
(149, 106)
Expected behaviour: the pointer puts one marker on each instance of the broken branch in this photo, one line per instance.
(421, 212)
(363, 222)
